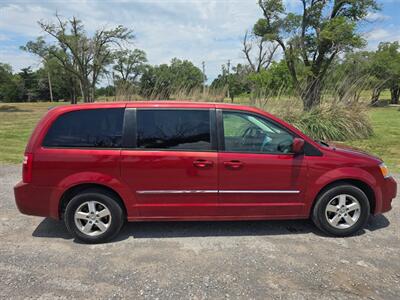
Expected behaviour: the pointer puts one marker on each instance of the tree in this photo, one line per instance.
(61, 82)
(271, 82)
(350, 75)
(64, 84)
(39, 48)
(106, 91)
(264, 52)
(156, 82)
(129, 64)
(314, 37)
(8, 84)
(185, 75)
(386, 67)
(163, 80)
(235, 83)
(84, 57)
(29, 84)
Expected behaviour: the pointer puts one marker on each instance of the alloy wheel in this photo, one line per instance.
(92, 218)
(343, 211)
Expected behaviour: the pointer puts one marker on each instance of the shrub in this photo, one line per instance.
(332, 122)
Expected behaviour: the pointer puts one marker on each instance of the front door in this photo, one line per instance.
(259, 177)
(172, 168)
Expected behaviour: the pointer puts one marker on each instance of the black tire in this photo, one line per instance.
(320, 218)
(102, 199)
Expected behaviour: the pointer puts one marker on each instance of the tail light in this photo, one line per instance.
(27, 168)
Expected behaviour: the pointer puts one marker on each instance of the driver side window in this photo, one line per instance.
(249, 133)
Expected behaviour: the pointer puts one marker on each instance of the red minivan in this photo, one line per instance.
(97, 165)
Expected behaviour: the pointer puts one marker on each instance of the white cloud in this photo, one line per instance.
(377, 34)
(18, 59)
(21, 19)
(377, 16)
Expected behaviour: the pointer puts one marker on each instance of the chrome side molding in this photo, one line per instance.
(154, 192)
(258, 192)
(178, 192)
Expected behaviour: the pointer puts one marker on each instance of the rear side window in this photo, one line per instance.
(174, 129)
(96, 128)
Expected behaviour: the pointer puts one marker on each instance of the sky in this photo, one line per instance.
(197, 30)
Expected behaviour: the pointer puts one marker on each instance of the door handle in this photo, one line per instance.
(202, 163)
(233, 164)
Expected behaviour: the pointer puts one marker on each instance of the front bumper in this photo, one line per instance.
(389, 192)
(36, 201)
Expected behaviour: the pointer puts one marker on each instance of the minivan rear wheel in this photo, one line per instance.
(94, 217)
(341, 210)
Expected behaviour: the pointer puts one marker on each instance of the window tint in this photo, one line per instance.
(100, 128)
(249, 133)
(173, 129)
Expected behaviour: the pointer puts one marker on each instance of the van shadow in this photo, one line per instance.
(50, 228)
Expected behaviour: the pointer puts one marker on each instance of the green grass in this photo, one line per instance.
(385, 141)
(17, 121)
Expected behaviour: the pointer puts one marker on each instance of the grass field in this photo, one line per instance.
(385, 142)
(18, 120)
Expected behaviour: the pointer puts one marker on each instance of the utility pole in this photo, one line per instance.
(229, 67)
(50, 87)
(203, 64)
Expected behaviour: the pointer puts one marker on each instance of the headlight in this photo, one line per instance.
(384, 170)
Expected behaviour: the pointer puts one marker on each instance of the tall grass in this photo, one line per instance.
(126, 92)
(129, 93)
(342, 114)
(207, 95)
(333, 122)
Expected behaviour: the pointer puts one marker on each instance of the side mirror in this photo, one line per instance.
(298, 145)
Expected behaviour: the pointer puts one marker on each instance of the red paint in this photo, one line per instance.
(49, 173)
(262, 172)
(170, 170)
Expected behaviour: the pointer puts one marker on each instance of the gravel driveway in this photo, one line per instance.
(196, 260)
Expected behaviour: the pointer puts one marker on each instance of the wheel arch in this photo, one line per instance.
(79, 188)
(365, 187)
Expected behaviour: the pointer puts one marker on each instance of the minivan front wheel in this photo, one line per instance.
(341, 210)
(93, 217)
